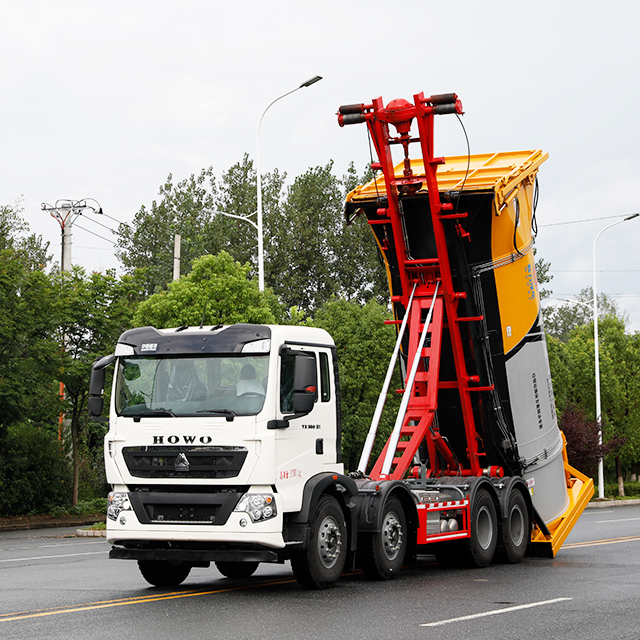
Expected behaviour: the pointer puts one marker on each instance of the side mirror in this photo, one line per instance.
(305, 383)
(303, 402)
(305, 379)
(96, 404)
(96, 382)
(96, 385)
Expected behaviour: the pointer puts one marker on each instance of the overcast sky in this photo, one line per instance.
(105, 100)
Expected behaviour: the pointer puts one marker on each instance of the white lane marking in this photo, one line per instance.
(619, 520)
(493, 613)
(46, 546)
(61, 555)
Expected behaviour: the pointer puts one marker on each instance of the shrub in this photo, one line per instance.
(631, 490)
(34, 473)
(583, 448)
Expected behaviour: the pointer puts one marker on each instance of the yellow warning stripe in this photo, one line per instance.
(596, 543)
(5, 617)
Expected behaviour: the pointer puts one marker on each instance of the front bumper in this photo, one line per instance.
(231, 529)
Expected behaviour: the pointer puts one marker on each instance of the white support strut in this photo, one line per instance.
(375, 421)
(395, 435)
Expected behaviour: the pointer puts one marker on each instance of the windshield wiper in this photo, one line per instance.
(228, 413)
(157, 412)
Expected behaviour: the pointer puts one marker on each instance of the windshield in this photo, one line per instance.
(193, 386)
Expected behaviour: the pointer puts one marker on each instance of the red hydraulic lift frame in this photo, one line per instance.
(419, 422)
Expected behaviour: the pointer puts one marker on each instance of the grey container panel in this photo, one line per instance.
(536, 428)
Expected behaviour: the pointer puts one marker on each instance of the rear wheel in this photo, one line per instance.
(516, 529)
(320, 565)
(162, 573)
(450, 553)
(383, 552)
(237, 569)
(480, 547)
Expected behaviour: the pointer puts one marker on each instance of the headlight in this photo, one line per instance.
(117, 502)
(259, 506)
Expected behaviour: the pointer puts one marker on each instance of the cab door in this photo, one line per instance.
(306, 437)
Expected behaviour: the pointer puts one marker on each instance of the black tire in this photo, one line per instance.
(161, 573)
(237, 569)
(480, 548)
(383, 552)
(320, 565)
(449, 554)
(515, 530)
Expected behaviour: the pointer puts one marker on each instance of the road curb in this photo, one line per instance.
(26, 523)
(605, 504)
(91, 533)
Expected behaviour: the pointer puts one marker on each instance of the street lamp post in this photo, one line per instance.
(597, 355)
(258, 224)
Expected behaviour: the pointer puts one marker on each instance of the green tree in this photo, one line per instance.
(364, 345)
(561, 320)
(561, 372)
(237, 194)
(13, 235)
(309, 252)
(312, 255)
(216, 291)
(96, 309)
(148, 243)
(29, 314)
(29, 349)
(573, 372)
(188, 208)
(583, 440)
(543, 276)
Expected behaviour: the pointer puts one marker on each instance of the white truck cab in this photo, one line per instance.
(219, 437)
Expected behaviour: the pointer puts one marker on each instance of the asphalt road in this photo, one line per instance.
(55, 586)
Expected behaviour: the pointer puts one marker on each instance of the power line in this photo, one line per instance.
(555, 224)
(619, 295)
(94, 248)
(112, 218)
(597, 270)
(95, 234)
(102, 225)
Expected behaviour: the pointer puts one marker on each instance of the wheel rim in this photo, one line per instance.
(516, 525)
(391, 536)
(484, 529)
(329, 542)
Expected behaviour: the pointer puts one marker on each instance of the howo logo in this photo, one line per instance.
(184, 439)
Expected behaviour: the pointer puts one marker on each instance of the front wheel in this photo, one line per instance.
(320, 565)
(237, 569)
(383, 552)
(161, 573)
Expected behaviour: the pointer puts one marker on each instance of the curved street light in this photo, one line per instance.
(233, 215)
(597, 354)
(258, 224)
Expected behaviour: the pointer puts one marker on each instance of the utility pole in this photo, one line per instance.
(66, 213)
(176, 257)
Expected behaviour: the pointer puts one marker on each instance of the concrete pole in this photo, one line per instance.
(176, 257)
(67, 241)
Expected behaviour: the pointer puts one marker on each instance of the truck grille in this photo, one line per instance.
(160, 507)
(184, 462)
